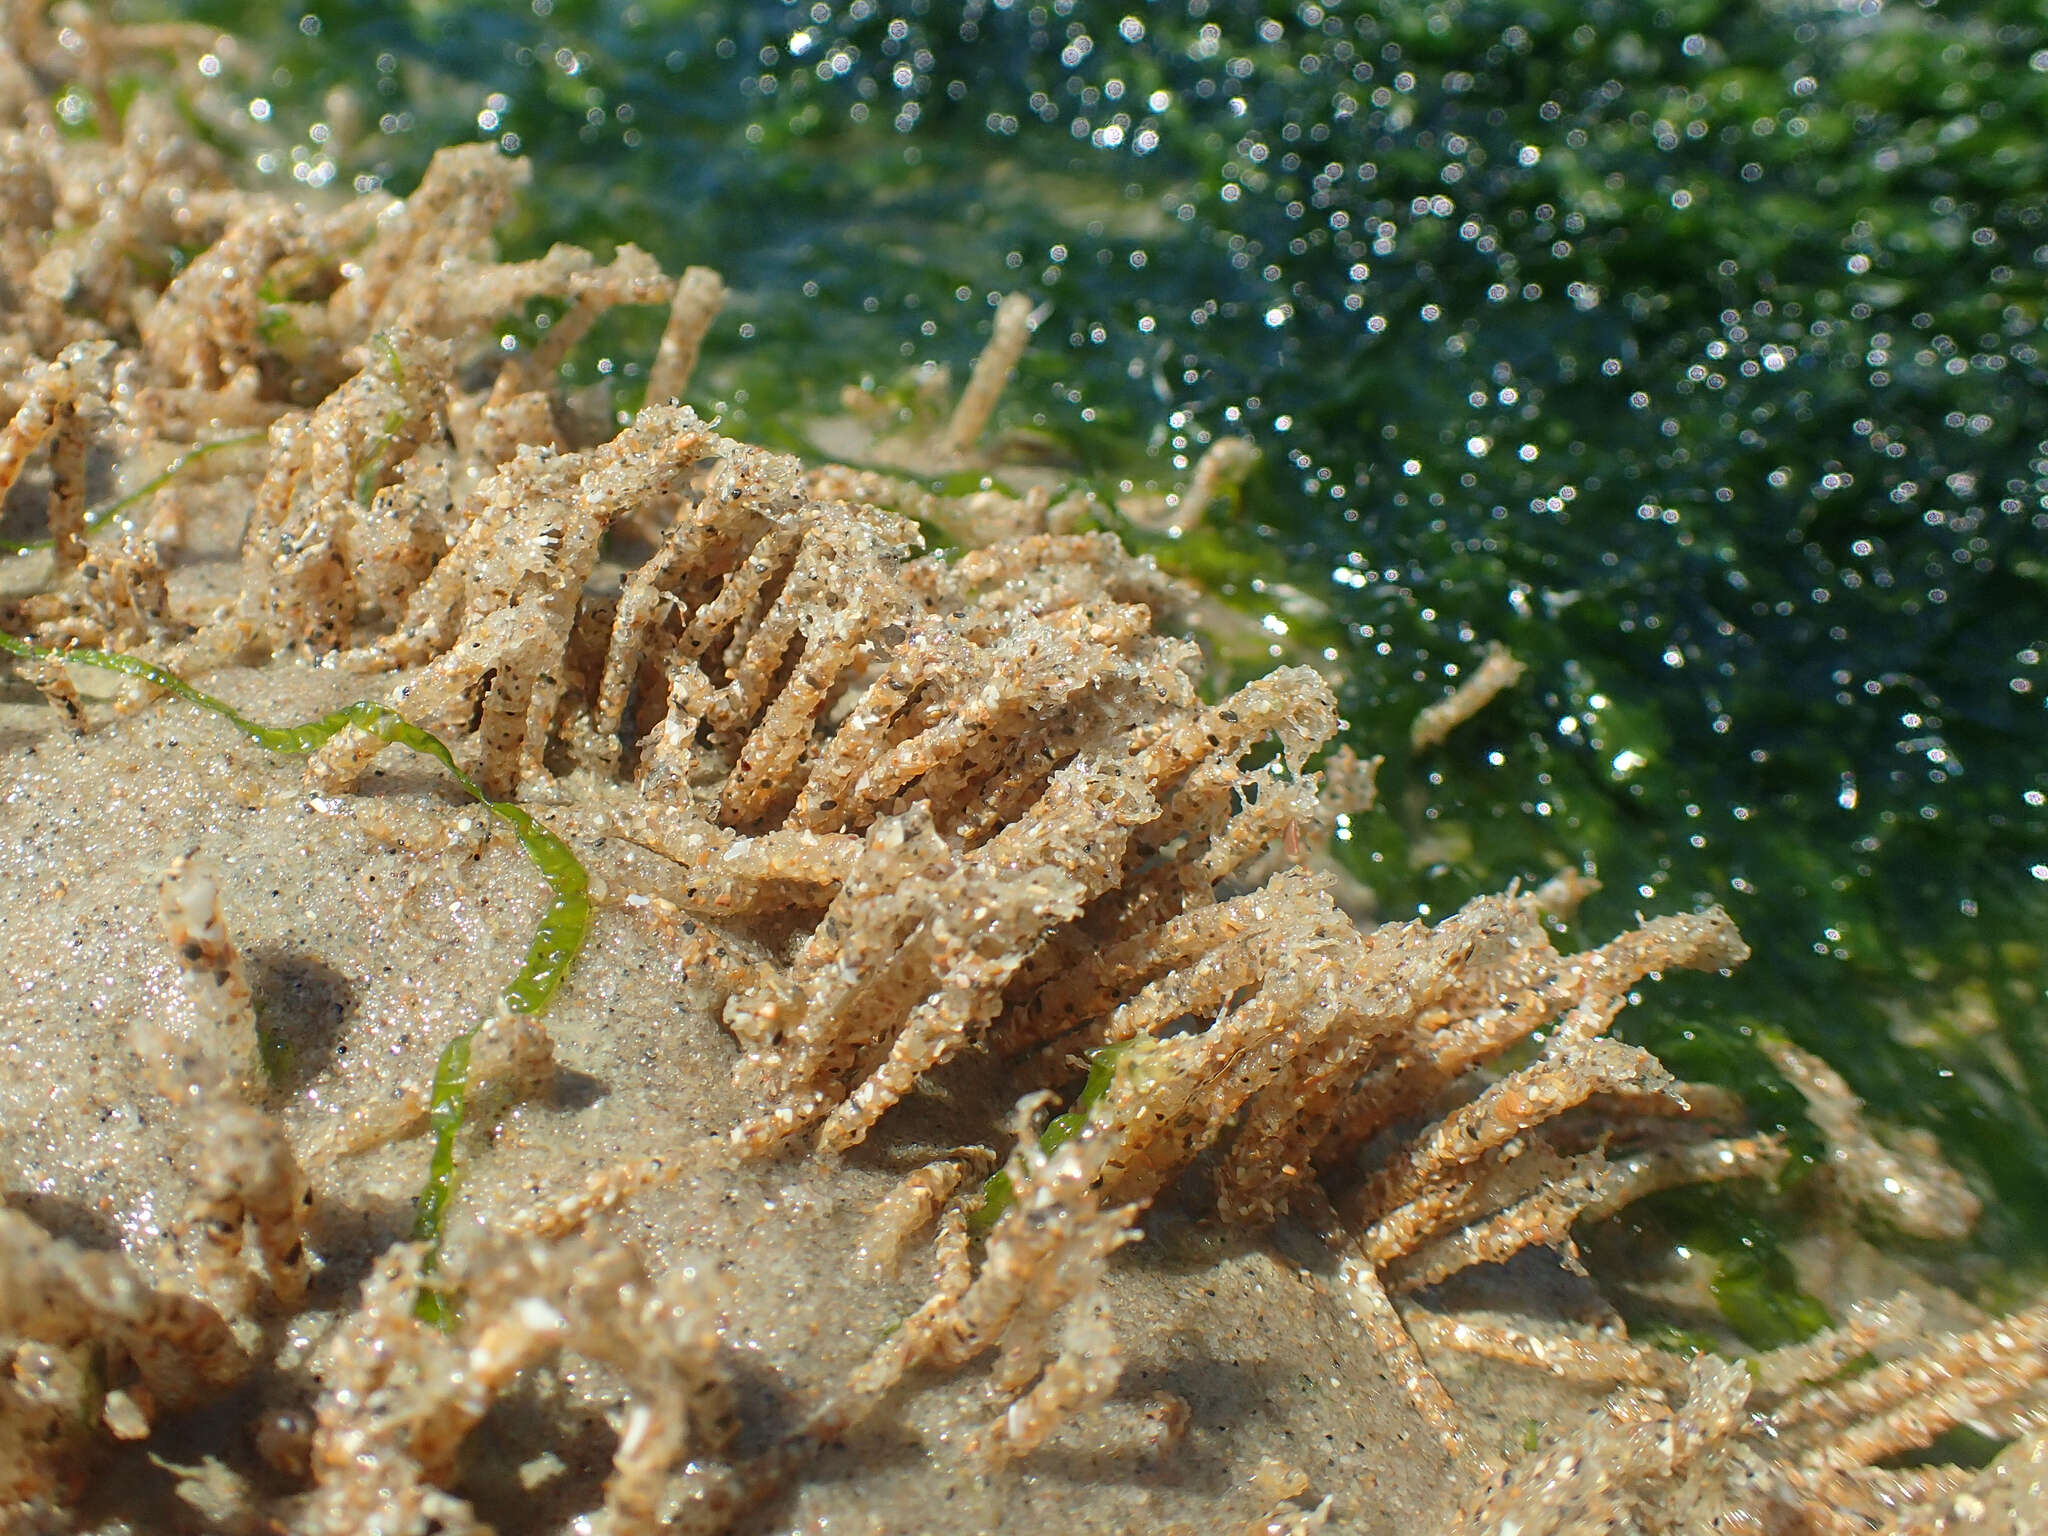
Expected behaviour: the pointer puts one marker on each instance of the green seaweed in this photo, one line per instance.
(1961, 1446)
(1752, 1278)
(1760, 1299)
(99, 516)
(274, 1053)
(444, 1119)
(277, 326)
(1676, 1340)
(557, 940)
(999, 1193)
(92, 1395)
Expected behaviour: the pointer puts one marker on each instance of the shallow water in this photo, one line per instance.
(1694, 352)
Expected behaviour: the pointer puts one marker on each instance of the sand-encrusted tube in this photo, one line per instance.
(991, 375)
(631, 277)
(210, 970)
(401, 1398)
(1570, 1356)
(179, 1348)
(1592, 1480)
(1497, 671)
(1044, 1255)
(1912, 1187)
(59, 692)
(700, 295)
(1085, 1372)
(52, 411)
(248, 1173)
(1218, 472)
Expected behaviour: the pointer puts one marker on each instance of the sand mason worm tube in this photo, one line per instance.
(700, 295)
(210, 970)
(1497, 671)
(991, 376)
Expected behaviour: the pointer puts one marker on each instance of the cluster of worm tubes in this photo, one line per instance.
(914, 807)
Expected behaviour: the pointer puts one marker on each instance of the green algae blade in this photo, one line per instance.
(1761, 1301)
(444, 1119)
(557, 939)
(998, 1194)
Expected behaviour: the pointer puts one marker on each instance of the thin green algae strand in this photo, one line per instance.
(999, 1194)
(106, 511)
(556, 941)
(444, 1120)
